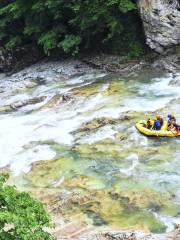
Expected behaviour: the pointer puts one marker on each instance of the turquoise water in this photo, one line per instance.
(132, 181)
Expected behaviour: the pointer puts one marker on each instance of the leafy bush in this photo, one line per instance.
(21, 217)
(68, 25)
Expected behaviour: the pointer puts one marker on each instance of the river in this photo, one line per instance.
(86, 146)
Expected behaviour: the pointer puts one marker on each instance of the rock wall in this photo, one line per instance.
(161, 19)
(19, 58)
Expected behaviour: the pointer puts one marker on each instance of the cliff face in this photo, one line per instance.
(20, 57)
(161, 19)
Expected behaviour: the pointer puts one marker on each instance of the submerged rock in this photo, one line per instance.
(97, 123)
(87, 90)
(24, 103)
(19, 104)
(175, 82)
(103, 121)
(66, 192)
(5, 109)
(66, 97)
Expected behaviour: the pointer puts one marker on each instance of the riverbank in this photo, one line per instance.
(117, 64)
(105, 62)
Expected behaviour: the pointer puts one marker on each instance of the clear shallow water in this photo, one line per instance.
(110, 157)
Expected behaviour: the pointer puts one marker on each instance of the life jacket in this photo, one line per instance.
(157, 123)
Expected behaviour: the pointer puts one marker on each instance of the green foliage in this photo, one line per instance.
(13, 42)
(21, 217)
(68, 25)
(126, 5)
(49, 41)
(70, 44)
(136, 50)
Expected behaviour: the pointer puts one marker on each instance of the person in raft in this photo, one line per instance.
(172, 125)
(158, 123)
(149, 124)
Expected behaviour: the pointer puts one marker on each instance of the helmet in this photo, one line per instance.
(169, 115)
(158, 117)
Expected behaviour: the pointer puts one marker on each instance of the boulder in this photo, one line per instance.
(24, 103)
(161, 20)
(19, 104)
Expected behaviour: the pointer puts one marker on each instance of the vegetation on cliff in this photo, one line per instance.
(72, 26)
(21, 217)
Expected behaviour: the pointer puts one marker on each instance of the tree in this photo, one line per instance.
(21, 217)
(68, 25)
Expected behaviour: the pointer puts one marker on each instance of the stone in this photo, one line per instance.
(66, 97)
(110, 234)
(24, 103)
(5, 109)
(103, 121)
(174, 82)
(161, 20)
(19, 58)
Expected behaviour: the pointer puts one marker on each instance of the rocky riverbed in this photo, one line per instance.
(68, 136)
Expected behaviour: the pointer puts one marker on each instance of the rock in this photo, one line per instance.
(121, 136)
(19, 58)
(110, 234)
(71, 230)
(19, 104)
(40, 80)
(161, 20)
(118, 236)
(30, 84)
(5, 171)
(24, 103)
(103, 121)
(66, 97)
(174, 82)
(55, 100)
(5, 109)
(87, 90)
(114, 64)
(178, 227)
(97, 123)
(170, 63)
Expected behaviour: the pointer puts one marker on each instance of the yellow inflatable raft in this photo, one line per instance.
(154, 133)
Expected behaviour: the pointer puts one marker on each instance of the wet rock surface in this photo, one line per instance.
(113, 64)
(174, 82)
(32, 101)
(120, 235)
(100, 122)
(40, 74)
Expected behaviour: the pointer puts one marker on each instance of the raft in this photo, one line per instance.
(154, 133)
